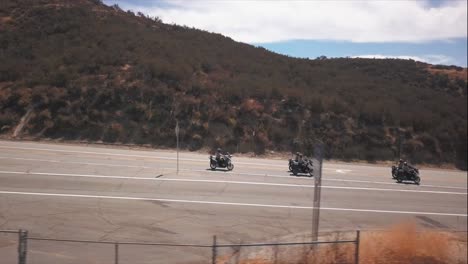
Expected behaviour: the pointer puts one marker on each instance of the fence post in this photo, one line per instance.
(358, 241)
(22, 246)
(213, 251)
(116, 251)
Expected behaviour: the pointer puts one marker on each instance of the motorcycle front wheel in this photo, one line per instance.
(417, 180)
(399, 179)
(212, 165)
(230, 166)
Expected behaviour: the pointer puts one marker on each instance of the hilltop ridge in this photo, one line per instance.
(93, 72)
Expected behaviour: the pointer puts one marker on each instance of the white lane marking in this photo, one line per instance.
(229, 173)
(132, 155)
(153, 157)
(227, 203)
(311, 178)
(341, 171)
(81, 163)
(222, 181)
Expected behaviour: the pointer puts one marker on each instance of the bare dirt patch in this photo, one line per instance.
(5, 19)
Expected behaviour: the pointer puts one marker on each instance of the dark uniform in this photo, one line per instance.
(219, 155)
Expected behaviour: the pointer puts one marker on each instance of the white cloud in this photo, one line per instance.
(357, 21)
(432, 59)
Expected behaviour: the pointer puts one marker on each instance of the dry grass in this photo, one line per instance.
(405, 244)
(451, 73)
(401, 244)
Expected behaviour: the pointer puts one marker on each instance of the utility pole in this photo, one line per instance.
(318, 157)
(177, 139)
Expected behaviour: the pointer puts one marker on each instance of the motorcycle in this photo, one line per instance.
(305, 167)
(224, 162)
(401, 175)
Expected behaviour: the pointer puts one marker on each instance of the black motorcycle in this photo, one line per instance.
(400, 175)
(304, 167)
(223, 162)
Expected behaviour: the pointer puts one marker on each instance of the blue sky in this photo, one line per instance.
(433, 31)
(437, 52)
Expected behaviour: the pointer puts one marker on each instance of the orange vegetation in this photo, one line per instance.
(401, 244)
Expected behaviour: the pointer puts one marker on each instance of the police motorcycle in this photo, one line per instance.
(223, 162)
(301, 167)
(406, 173)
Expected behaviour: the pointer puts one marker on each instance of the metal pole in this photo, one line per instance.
(22, 246)
(318, 153)
(116, 252)
(213, 251)
(177, 139)
(253, 142)
(399, 143)
(358, 241)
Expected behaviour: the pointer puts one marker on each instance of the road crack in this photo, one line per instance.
(102, 216)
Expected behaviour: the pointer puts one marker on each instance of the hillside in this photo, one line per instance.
(87, 71)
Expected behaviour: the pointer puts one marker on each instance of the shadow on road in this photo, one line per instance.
(407, 183)
(223, 170)
(301, 175)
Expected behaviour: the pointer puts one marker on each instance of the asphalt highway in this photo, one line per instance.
(117, 194)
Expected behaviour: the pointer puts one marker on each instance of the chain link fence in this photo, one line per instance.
(18, 247)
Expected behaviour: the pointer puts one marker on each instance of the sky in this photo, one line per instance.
(433, 31)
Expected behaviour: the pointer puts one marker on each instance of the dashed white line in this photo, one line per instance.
(223, 181)
(227, 203)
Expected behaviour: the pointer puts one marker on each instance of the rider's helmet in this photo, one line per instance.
(406, 163)
(401, 160)
(219, 150)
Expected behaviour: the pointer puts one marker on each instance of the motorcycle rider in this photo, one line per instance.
(405, 167)
(296, 159)
(400, 164)
(408, 167)
(302, 160)
(219, 156)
